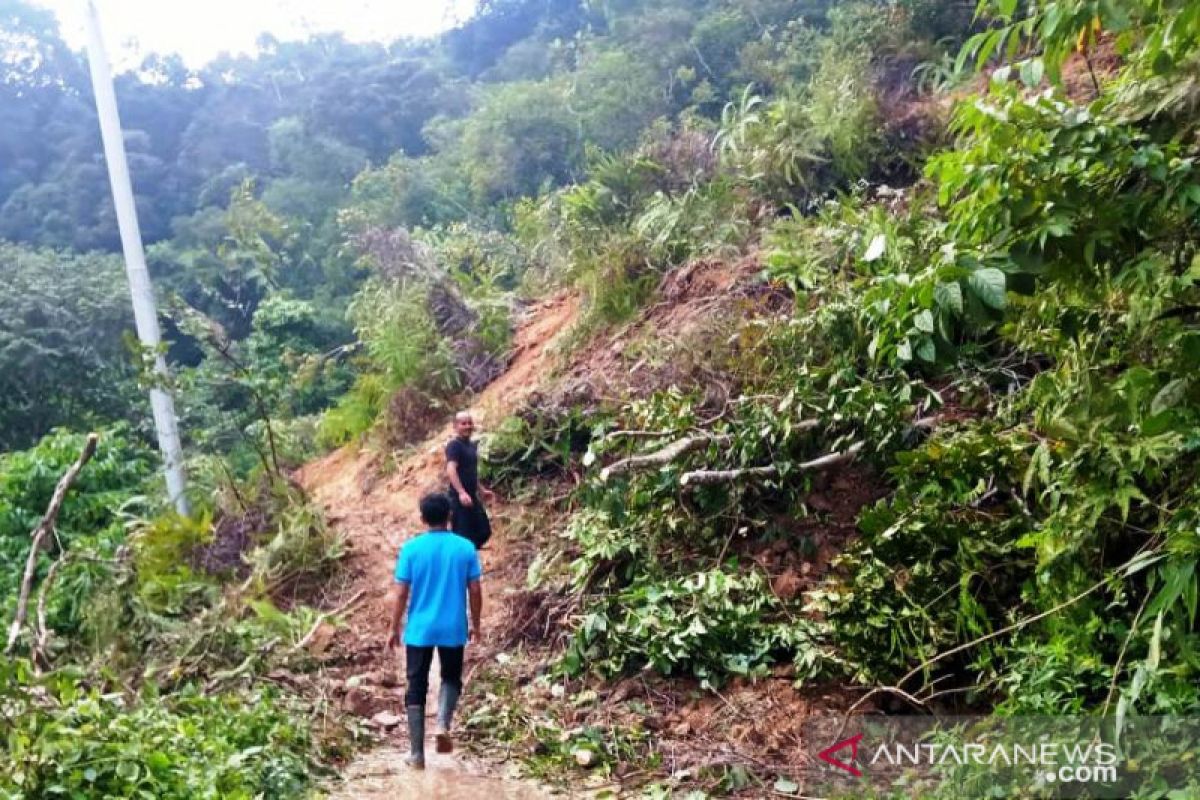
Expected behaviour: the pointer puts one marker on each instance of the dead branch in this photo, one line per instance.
(663, 456)
(308, 637)
(42, 634)
(924, 665)
(42, 631)
(636, 434)
(704, 477)
(44, 528)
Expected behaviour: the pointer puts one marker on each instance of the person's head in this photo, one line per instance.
(435, 510)
(464, 425)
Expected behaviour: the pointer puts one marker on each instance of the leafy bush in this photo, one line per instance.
(67, 737)
(355, 412)
(708, 624)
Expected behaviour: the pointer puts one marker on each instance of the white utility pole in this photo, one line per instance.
(144, 312)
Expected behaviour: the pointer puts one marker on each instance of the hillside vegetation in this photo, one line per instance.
(881, 396)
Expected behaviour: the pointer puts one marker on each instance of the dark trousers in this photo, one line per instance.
(418, 660)
(471, 523)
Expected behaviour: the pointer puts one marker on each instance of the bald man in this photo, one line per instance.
(469, 517)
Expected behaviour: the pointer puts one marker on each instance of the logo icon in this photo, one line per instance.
(826, 755)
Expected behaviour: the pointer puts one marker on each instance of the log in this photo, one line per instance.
(706, 477)
(43, 530)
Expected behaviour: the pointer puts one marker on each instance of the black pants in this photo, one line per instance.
(471, 523)
(418, 660)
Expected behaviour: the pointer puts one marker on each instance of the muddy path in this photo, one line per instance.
(376, 515)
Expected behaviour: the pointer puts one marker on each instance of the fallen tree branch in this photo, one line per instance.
(42, 631)
(924, 665)
(44, 528)
(705, 477)
(308, 637)
(636, 434)
(663, 456)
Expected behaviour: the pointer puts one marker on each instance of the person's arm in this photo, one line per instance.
(475, 594)
(399, 606)
(455, 481)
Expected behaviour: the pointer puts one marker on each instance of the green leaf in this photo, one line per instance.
(949, 296)
(988, 285)
(1032, 72)
(924, 321)
(1170, 395)
(786, 786)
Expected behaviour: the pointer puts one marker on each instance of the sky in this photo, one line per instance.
(199, 30)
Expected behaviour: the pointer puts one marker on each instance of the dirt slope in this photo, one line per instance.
(376, 515)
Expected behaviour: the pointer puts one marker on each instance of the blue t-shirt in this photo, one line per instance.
(437, 566)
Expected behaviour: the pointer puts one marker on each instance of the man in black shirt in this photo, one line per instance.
(469, 517)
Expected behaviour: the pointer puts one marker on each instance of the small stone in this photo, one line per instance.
(357, 702)
(819, 502)
(787, 585)
(584, 757)
(386, 720)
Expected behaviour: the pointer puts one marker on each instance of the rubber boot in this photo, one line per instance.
(416, 737)
(447, 701)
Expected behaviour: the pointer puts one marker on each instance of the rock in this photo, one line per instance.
(386, 720)
(321, 639)
(818, 502)
(357, 702)
(787, 585)
(584, 757)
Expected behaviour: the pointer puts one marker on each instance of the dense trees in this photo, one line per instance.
(264, 175)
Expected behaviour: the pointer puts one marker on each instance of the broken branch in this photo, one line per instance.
(663, 456)
(44, 528)
(324, 616)
(705, 477)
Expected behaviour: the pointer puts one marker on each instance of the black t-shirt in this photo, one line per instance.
(466, 455)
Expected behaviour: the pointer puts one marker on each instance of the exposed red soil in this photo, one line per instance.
(679, 341)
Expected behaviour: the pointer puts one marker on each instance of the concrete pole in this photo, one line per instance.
(144, 312)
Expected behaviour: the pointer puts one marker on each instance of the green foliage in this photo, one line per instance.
(535, 446)
(400, 337)
(709, 624)
(68, 737)
(90, 520)
(62, 343)
(711, 220)
(356, 411)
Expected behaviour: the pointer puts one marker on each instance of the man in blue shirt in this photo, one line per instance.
(436, 572)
